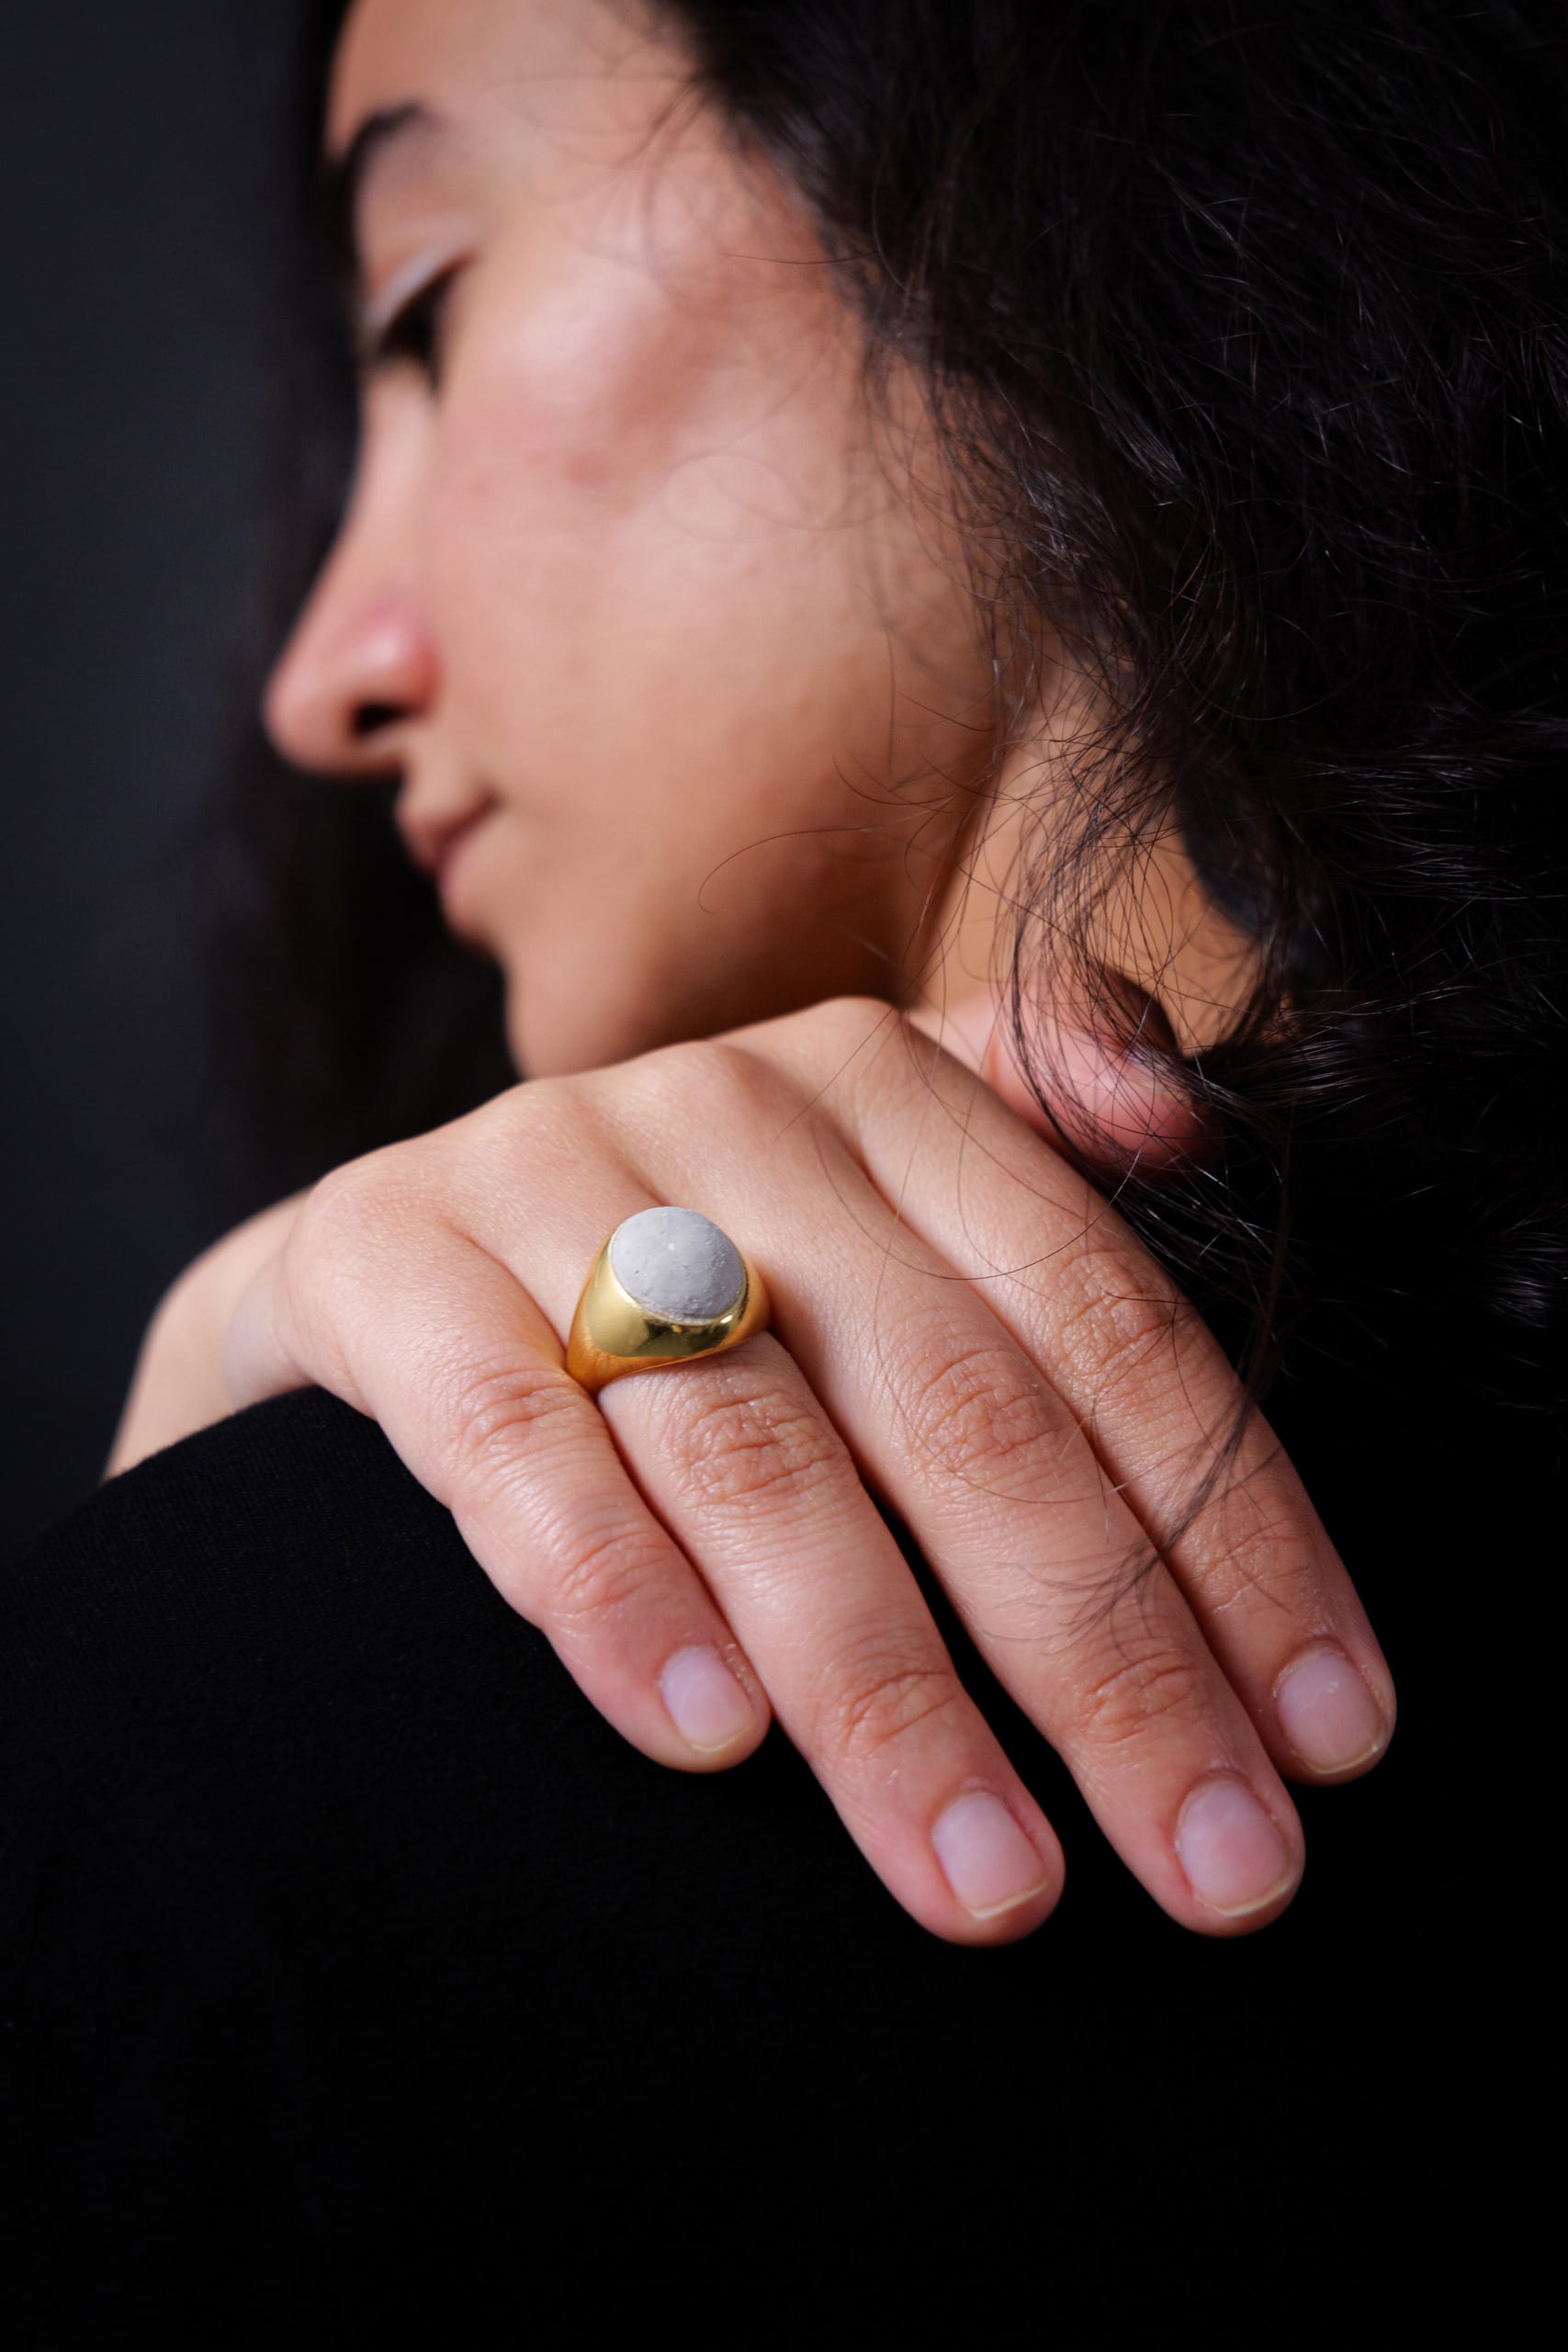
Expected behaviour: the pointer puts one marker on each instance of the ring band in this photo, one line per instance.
(667, 1287)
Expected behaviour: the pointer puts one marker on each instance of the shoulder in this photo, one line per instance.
(265, 1665)
(246, 1644)
(240, 1564)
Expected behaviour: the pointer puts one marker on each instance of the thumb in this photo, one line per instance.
(1116, 1106)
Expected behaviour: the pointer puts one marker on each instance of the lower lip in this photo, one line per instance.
(453, 854)
(453, 860)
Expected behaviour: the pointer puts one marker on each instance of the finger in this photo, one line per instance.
(738, 1457)
(950, 1420)
(1118, 1107)
(1153, 1387)
(417, 1326)
(757, 1487)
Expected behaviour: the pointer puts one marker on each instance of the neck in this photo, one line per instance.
(1150, 925)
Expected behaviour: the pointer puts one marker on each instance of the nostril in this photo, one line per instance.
(370, 718)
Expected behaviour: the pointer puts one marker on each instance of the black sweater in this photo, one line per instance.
(360, 1984)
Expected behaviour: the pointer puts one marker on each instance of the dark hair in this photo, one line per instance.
(1245, 339)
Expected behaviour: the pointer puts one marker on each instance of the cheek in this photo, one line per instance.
(559, 426)
(669, 621)
(648, 539)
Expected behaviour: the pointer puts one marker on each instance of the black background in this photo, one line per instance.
(142, 192)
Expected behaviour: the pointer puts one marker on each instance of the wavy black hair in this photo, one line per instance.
(1245, 333)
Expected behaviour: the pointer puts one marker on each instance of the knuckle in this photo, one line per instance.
(711, 1080)
(328, 1262)
(545, 1118)
(344, 1199)
(1140, 1692)
(868, 1047)
(343, 1218)
(828, 1051)
(1254, 1542)
(845, 1023)
(981, 1414)
(882, 1694)
(765, 1445)
(836, 1023)
(523, 1136)
(1114, 1323)
(857, 1010)
(495, 1416)
(604, 1575)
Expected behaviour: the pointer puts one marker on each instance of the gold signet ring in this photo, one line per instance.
(667, 1287)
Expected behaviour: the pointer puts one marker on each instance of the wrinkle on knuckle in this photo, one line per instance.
(1112, 1327)
(1137, 1692)
(754, 1445)
(491, 1414)
(602, 1576)
(980, 1414)
(882, 1694)
(1257, 1545)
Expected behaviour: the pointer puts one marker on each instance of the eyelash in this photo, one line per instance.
(412, 335)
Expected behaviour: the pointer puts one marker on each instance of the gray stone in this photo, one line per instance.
(677, 1264)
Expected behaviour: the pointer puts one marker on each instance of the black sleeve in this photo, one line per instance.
(357, 1977)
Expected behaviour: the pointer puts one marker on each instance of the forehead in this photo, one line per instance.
(468, 57)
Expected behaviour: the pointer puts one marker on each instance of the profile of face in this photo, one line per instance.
(658, 618)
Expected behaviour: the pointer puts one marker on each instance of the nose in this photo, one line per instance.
(358, 669)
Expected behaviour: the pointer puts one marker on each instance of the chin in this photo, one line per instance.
(555, 1027)
(570, 1013)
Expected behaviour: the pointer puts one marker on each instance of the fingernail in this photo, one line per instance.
(985, 1856)
(705, 1704)
(1326, 1712)
(1235, 1859)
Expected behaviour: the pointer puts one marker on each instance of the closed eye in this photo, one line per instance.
(412, 336)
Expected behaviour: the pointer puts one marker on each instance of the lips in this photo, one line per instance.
(431, 836)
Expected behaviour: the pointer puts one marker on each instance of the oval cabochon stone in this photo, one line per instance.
(677, 1263)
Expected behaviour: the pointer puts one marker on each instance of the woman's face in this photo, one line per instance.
(625, 574)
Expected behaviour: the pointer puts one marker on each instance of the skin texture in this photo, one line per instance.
(639, 573)
(632, 573)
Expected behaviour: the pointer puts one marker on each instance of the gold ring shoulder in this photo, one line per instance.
(612, 1335)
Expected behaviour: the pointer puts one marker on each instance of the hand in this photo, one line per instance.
(961, 1328)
